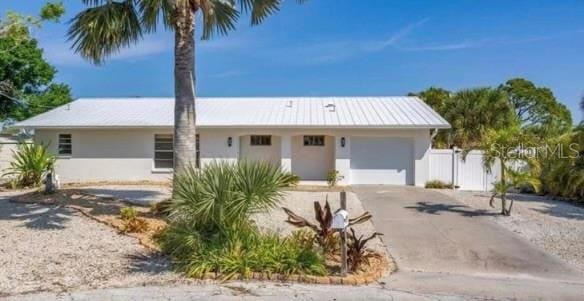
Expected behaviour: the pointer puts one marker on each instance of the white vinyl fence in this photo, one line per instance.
(448, 166)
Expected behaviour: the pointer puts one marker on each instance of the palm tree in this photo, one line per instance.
(506, 147)
(473, 112)
(107, 26)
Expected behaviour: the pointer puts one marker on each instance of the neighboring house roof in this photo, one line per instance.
(350, 112)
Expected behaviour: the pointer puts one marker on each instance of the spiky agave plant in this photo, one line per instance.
(30, 163)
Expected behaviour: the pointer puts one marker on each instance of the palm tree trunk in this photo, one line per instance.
(503, 192)
(184, 88)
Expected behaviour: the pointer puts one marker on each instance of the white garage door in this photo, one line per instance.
(377, 160)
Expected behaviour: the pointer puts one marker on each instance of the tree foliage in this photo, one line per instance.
(473, 111)
(563, 169)
(26, 78)
(536, 108)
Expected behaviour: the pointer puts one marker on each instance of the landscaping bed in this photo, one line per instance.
(82, 205)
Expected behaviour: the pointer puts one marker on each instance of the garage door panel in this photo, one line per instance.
(381, 160)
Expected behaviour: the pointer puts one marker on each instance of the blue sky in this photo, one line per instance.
(342, 47)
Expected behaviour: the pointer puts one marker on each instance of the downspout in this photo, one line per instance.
(433, 134)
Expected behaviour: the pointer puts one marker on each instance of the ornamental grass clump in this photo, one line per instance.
(210, 230)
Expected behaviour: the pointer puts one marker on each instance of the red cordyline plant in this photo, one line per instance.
(357, 253)
(324, 233)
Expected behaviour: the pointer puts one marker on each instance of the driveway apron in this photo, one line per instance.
(427, 231)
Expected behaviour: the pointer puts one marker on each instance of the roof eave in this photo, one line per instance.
(424, 126)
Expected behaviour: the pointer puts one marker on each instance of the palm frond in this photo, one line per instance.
(152, 11)
(260, 9)
(219, 17)
(103, 30)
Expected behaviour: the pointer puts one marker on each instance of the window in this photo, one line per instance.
(65, 145)
(313, 140)
(163, 151)
(260, 140)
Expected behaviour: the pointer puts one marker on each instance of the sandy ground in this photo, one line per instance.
(51, 248)
(555, 226)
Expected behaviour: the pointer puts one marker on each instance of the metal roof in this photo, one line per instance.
(321, 112)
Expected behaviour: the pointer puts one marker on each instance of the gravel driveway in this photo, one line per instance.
(555, 226)
(52, 248)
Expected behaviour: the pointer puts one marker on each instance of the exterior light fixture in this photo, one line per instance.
(342, 141)
(229, 141)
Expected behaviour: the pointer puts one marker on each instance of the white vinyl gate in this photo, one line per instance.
(448, 166)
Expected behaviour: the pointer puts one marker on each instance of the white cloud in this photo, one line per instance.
(396, 37)
(490, 42)
(448, 46)
(335, 51)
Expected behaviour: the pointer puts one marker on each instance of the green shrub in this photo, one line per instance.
(437, 184)
(226, 194)
(128, 213)
(210, 229)
(563, 176)
(238, 251)
(30, 164)
(333, 177)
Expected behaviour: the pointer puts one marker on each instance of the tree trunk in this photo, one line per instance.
(184, 88)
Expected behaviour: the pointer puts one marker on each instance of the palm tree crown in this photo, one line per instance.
(107, 26)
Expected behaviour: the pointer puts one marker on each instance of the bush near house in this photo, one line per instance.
(437, 184)
(30, 164)
(333, 177)
(210, 228)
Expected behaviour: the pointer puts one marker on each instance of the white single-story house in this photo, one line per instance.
(369, 140)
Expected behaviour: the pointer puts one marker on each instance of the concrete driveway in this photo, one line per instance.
(427, 231)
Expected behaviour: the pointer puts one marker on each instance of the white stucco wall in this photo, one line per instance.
(312, 162)
(113, 155)
(269, 153)
(127, 154)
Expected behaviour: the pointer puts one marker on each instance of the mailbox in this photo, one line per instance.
(340, 220)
